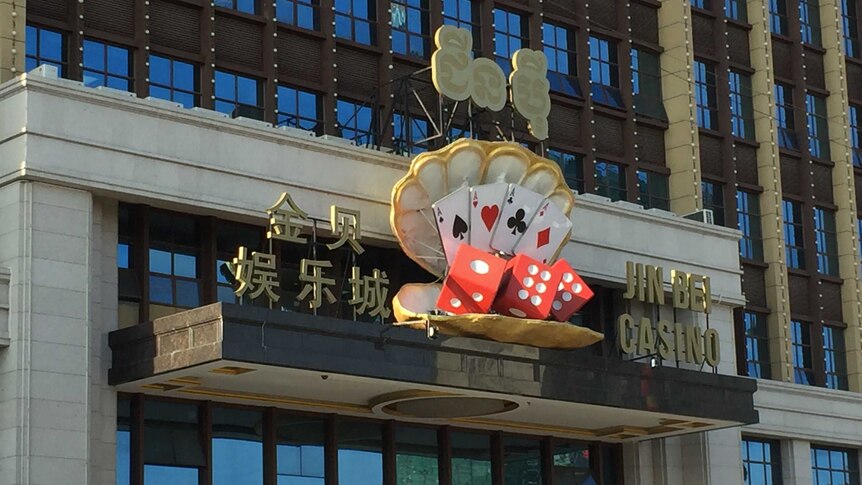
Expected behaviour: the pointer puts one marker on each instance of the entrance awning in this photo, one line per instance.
(251, 355)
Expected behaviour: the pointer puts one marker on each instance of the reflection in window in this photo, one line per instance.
(736, 10)
(355, 122)
(572, 465)
(355, 19)
(611, 180)
(174, 80)
(800, 337)
(833, 356)
(238, 95)
(107, 65)
(646, 84)
(855, 115)
(778, 16)
(511, 32)
(416, 456)
(784, 117)
(410, 134)
(818, 132)
(464, 14)
(45, 46)
(809, 21)
(360, 453)
(713, 199)
(173, 451)
(834, 466)
(826, 241)
(174, 262)
(741, 105)
(471, 458)
(299, 450)
(301, 13)
(756, 345)
(572, 166)
(794, 241)
(301, 109)
(237, 446)
(604, 72)
(522, 461)
(761, 462)
(246, 6)
(748, 221)
(410, 28)
(850, 28)
(652, 190)
(705, 94)
(124, 441)
(559, 43)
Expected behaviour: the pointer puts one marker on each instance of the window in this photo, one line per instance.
(299, 449)
(173, 451)
(522, 460)
(174, 80)
(826, 241)
(741, 105)
(247, 6)
(237, 446)
(778, 16)
(559, 45)
(784, 117)
(713, 199)
(833, 358)
(471, 458)
(410, 134)
(761, 462)
(652, 190)
(354, 20)
(794, 243)
(604, 72)
(107, 65)
(707, 101)
(850, 28)
(174, 257)
(124, 441)
(809, 21)
(748, 221)
(299, 109)
(238, 95)
(800, 339)
(301, 13)
(355, 122)
(646, 84)
(464, 14)
(856, 135)
(511, 32)
(410, 29)
(360, 453)
(736, 10)
(701, 4)
(818, 136)
(834, 466)
(611, 180)
(45, 47)
(756, 345)
(572, 166)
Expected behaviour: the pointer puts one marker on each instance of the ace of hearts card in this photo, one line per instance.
(452, 215)
(486, 202)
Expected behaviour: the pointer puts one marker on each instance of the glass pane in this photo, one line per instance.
(188, 293)
(118, 61)
(360, 453)
(416, 456)
(161, 290)
(160, 261)
(123, 441)
(161, 475)
(172, 437)
(299, 449)
(522, 462)
(572, 464)
(237, 447)
(184, 76)
(225, 86)
(471, 459)
(185, 265)
(94, 55)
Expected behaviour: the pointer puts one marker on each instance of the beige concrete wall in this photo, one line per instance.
(12, 30)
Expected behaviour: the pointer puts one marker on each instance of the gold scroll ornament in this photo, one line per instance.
(531, 90)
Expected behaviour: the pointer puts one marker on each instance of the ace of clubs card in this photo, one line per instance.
(486, 202)
(518, 210)
(548, 231)
(452, 215)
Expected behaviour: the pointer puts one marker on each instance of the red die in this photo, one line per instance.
(572, 292)
(528, 290)
(472, 282)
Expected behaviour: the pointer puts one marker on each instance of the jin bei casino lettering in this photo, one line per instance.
(668, 340)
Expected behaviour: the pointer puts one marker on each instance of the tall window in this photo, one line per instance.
(701, 4)
(827, 243)
(850, 28)
(809, 21)
(741, 105)
(174, 80)
(237, 446)
(301, 13)
(784, 117)
(736, 10)
(611, 180)
(107, 65)
(761, 462)
(800, 338)
(355, 122)
(794, 243)
(652, 190)
(818, 135)
(646, 84)
(247, 6)
(572, 166)
(748, 221)
(713, 199)
(238, 95)
(410, 133)
(834, 466)
(299, 109)
(833, 357)
(174, 256)
(511, 32)
(756, 345)
(45, 46)
(464, 14)
(410, 28)
(558, 43)
(778, 16)
(707, 100)
(856, 134)
(605, 72)
(355, 20)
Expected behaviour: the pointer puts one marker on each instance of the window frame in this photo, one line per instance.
(411, 37)
(834, 357)
(285, 118)
(236, 4)
(755, 333)
(105, 73)
(778, 17)
(784, 117)
(561, 81)
(850, 27)
(741, 105)
(855, 119)
(817, 126)
(748, 222)
(714, 201)
(358, 134)
(62, 64)
(349, 15)
(706, 94)
(503, 57)
(772, 461)
(605, 89)
(826, 241)
(461, 20)
(736, 10)
(604, 187)
(259, 86)
(802, 348)
(648, 198)
(295, 18)
(794, 247)
(562, 158)
(850, 457)
(416, 144)
(809, 22)
(649, 104)
(195, 93)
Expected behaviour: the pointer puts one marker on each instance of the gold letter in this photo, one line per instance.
(663, 332)
(646, 340)
(625, 327)
(695, 292)
(707, 295)
(693, 344)
(680, 289)
(631, 282)
(712, 347)
(678, 342)
(655, 285)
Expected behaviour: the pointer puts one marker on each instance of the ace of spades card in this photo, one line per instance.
(486, 203)
(518, 210)
(452, 215)
(548, 231)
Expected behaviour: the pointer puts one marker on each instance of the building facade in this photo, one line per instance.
(147, 147)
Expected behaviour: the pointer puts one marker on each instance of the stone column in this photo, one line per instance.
(13, 26)
(795, 462)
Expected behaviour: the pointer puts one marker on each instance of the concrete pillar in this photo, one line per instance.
(712, 458)
(796, 462)
(13, 23)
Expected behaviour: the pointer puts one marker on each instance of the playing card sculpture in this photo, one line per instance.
(491, 218)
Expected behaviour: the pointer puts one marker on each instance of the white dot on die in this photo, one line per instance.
(456, 303)
(478, 296)
(532, 269)
(567, 296)
(523, 294)
(561, 286)
(541, 288)
(517, 313)
(479, 266)
(528, 282)
(536, 300)
(576, 288)
(546, 275)
(558, 305)
(568, 277)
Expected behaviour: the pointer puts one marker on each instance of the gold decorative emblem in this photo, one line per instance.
(531, 90)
